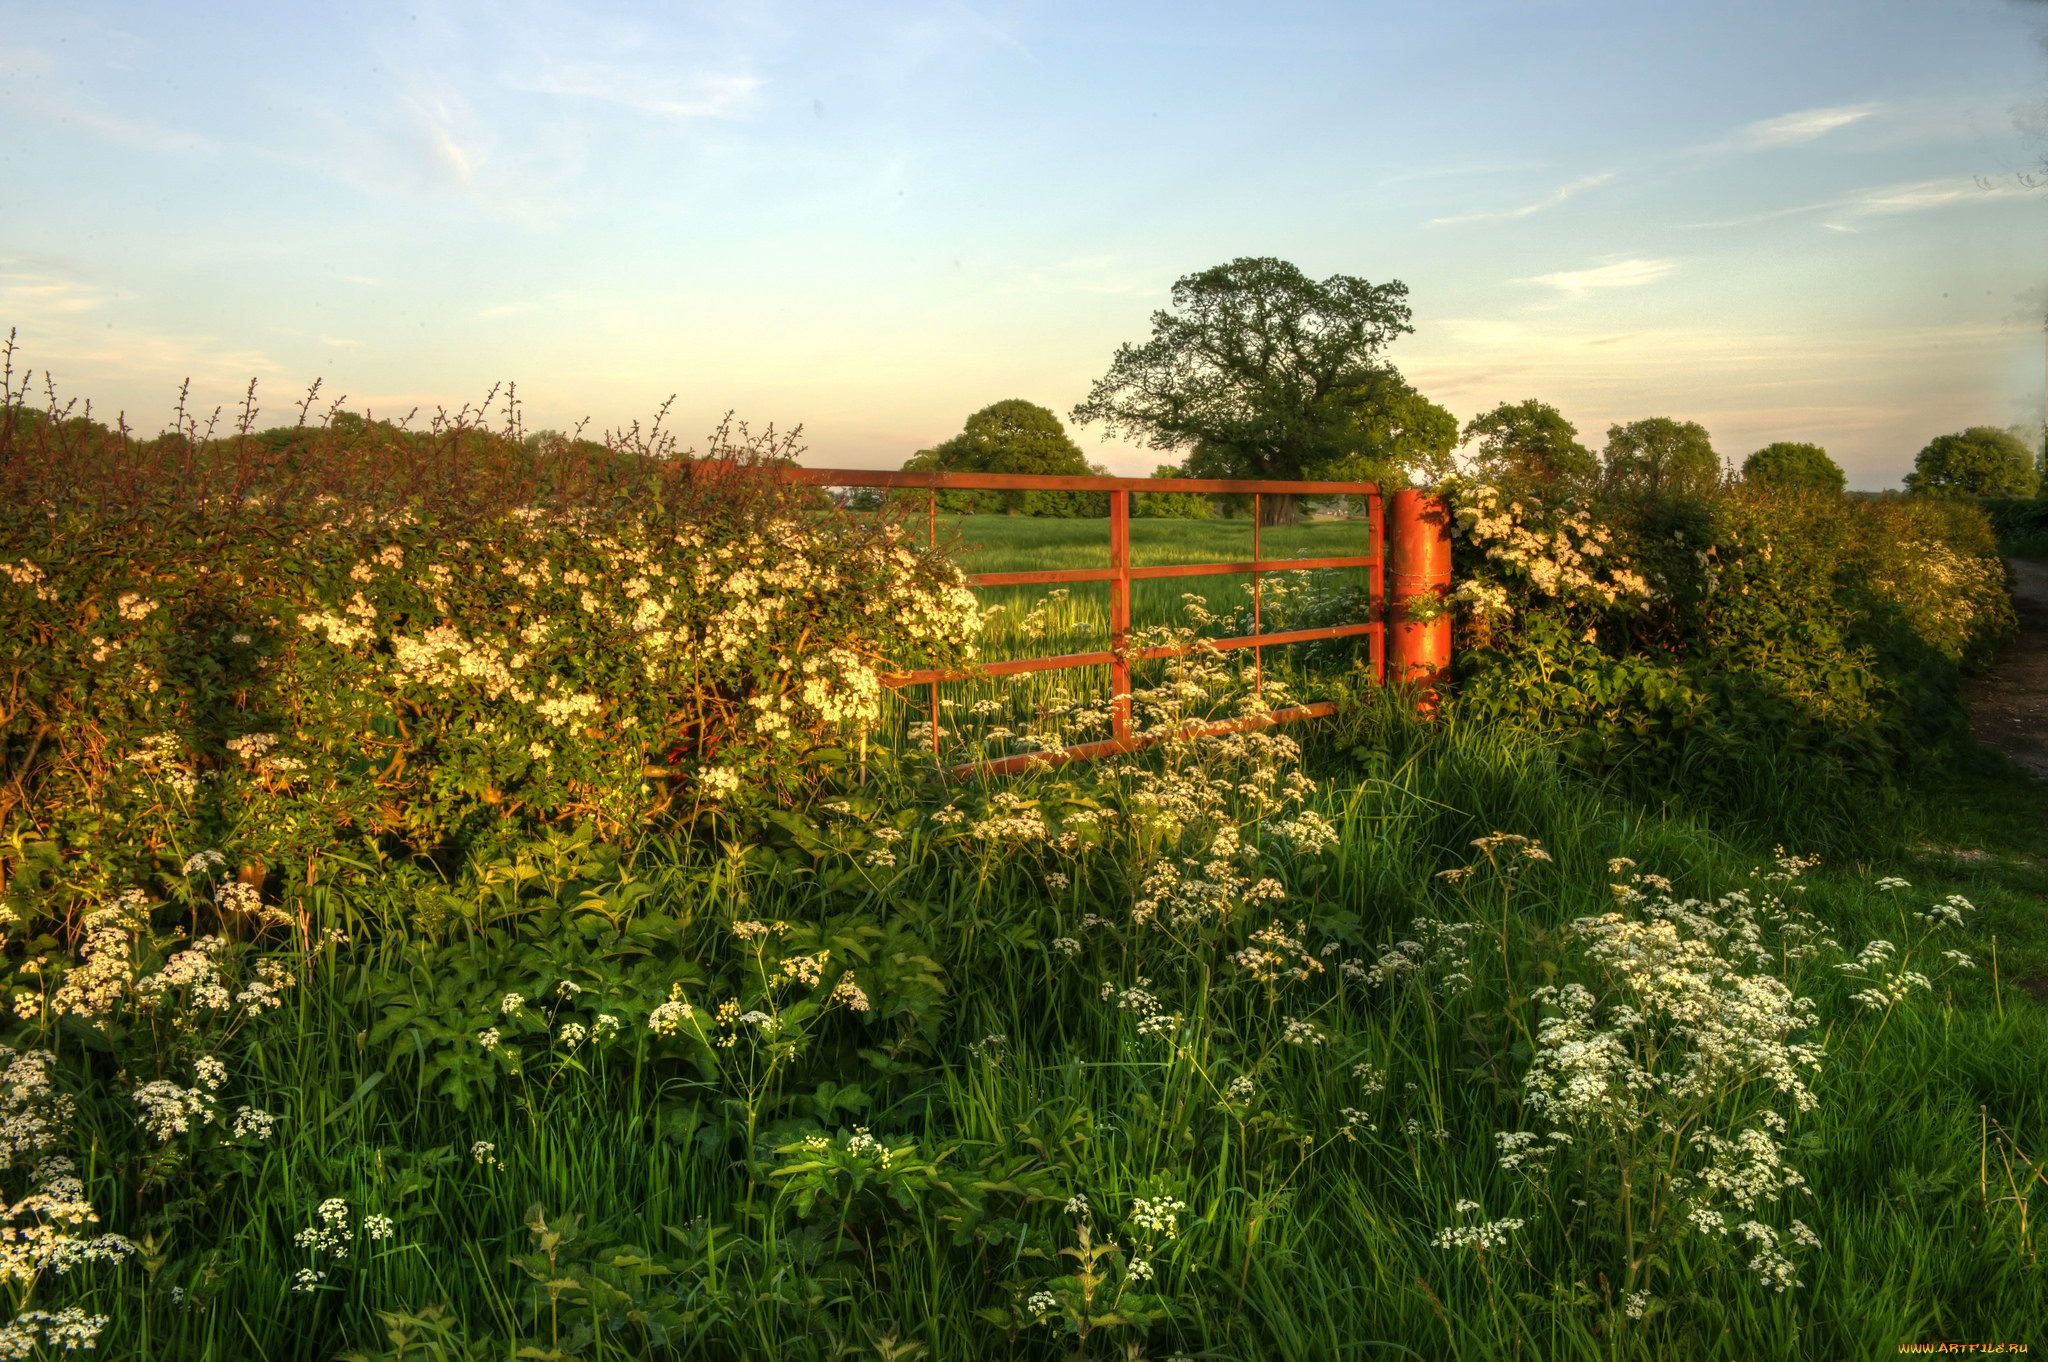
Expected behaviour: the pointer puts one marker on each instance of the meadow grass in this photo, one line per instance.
(1298, 1244)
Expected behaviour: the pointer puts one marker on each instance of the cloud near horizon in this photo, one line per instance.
(1620, 274)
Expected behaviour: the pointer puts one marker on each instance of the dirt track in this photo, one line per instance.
(2009, 704)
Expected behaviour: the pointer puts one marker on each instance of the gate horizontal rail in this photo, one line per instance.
(1121, 573)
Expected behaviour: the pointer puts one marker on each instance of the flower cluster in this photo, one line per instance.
(1438, 950)
(1477, 1235)
(1686, 1065)
(1554, 553)
(1158, 1215)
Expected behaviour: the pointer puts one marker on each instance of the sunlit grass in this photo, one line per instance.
(1288, 1256)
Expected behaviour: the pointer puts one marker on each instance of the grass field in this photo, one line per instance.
(1311, 1202)
(994, 543)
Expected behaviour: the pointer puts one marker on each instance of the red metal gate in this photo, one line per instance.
(1420, 552)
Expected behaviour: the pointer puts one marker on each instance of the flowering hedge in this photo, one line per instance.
(274, 679)
(1687, 633)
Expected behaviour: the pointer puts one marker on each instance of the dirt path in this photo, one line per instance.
(2009, 704)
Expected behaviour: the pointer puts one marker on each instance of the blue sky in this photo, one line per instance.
(1786, 220)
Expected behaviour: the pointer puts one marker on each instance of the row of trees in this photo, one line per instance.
(1523, 443)
(1257, 371)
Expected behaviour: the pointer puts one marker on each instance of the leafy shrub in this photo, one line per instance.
(1688, 639)
(2021, 524)
(275, 669)
(1171, 505)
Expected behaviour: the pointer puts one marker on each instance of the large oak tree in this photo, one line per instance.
(1262, 372)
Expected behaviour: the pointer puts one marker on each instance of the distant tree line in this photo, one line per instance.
(1256, 370)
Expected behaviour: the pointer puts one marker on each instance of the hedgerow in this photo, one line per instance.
(1683, 640)
(240, 659)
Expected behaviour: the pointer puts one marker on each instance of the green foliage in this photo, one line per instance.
(1397, 432)
(1658, 456)
(1982, 461)
(1014, 436)
(277, 680)
(1793, 466)
(1748, 629)
(1171, 505)
(2021, 524)
(1530, 444)
(1056, 1126)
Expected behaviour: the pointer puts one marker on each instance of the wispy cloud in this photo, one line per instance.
(1791, 129)
(35, 85)
(691, 68)
(1550, 200)
(1454, 172)
(1620, 274)
(644, 90)
(33, 290)
(1917, 197)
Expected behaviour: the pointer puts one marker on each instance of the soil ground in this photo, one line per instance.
(2009, 703)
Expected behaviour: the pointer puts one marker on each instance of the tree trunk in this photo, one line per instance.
(1279, 508)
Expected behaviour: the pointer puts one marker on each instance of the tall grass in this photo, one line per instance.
(1322, 1252)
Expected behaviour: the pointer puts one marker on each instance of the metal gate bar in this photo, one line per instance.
(1120, 574)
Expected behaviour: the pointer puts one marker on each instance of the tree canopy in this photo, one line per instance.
(1012, 436)
(1397, 430)
(1982, 461)
(1530, 442)
(1263, 372)
(1794, 466)
(1658, 455)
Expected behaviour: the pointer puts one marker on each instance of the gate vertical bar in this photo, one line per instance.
(1120, 613)
(932, 542)
(1376, 545)
(1258, 627)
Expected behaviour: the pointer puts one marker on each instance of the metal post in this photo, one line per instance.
(1120, 613)
(1376, 579)
(932, 542)
(1419, 552)
(1258, 650)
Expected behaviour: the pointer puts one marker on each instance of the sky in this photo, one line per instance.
(1801, 219)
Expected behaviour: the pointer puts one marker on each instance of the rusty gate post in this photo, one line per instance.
(1419, 569)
